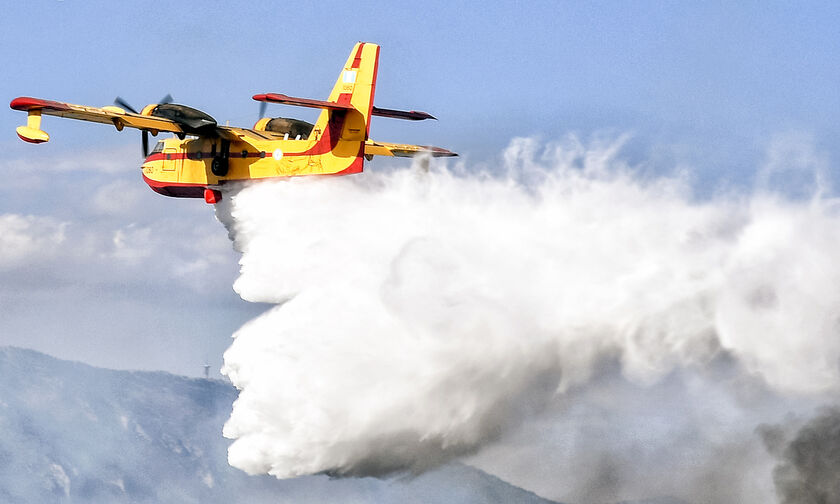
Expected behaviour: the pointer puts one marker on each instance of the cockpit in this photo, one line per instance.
(291, 128)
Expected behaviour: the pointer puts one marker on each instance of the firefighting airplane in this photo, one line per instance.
(203, 155)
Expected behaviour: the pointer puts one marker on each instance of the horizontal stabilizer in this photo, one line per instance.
(301, 102)
(403, 150)
(411, 115)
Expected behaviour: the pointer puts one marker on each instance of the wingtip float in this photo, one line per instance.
(202, 155)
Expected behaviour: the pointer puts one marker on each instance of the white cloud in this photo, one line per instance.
(111, 160)
(795, 166)
(133, 244)
(119, 197)
(28, 239)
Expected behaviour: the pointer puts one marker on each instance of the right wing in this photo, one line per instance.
(115, 116)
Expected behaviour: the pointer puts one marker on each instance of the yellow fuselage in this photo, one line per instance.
(185, 168)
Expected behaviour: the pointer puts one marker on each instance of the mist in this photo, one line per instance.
(425, 315)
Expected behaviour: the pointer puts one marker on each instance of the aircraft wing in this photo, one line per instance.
(116, 116)
(246, 135)
(373, 148)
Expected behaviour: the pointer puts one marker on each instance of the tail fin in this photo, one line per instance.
(355, 87)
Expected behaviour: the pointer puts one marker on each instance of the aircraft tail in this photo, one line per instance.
(355, 88)
(341, 133)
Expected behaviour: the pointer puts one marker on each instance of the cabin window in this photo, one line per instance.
(158, 148)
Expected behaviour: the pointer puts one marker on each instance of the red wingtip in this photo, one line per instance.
(23, 103)
(27, 103)
(30, 140)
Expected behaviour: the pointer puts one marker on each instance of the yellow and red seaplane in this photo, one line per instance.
(202, 155)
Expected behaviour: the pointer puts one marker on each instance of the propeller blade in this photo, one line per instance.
(145, 143)
(263, 106)
(145, 138)
(124, 104)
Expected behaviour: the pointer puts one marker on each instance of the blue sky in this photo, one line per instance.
(705, 85)
(729, 73)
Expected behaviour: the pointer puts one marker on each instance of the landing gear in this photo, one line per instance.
(220, 164)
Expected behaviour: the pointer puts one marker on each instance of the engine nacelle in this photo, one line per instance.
(294, 128)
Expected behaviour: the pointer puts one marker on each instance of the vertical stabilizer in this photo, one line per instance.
(355, 86)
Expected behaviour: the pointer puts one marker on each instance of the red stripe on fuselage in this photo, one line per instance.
(175, 189)
(326, 143)
(173, 156)
(182, 190)
(329, 137)
(356, 166)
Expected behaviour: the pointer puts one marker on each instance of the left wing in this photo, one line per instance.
(115, 116)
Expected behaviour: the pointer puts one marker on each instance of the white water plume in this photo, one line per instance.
(422, 314)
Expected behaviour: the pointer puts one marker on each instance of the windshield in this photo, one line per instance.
(158, 148)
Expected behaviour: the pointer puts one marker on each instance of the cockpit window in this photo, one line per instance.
(158, 148)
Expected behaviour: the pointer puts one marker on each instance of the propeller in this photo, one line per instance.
(145, 138)
(263, 106)
(118, 101)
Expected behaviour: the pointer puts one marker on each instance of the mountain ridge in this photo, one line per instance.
(77, 433)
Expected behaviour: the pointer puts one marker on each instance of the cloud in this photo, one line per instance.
(113, 160)
(29, 239)
(794, 166)
(97, 267)
(122, 197)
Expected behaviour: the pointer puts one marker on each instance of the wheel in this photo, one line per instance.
(219, 167)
